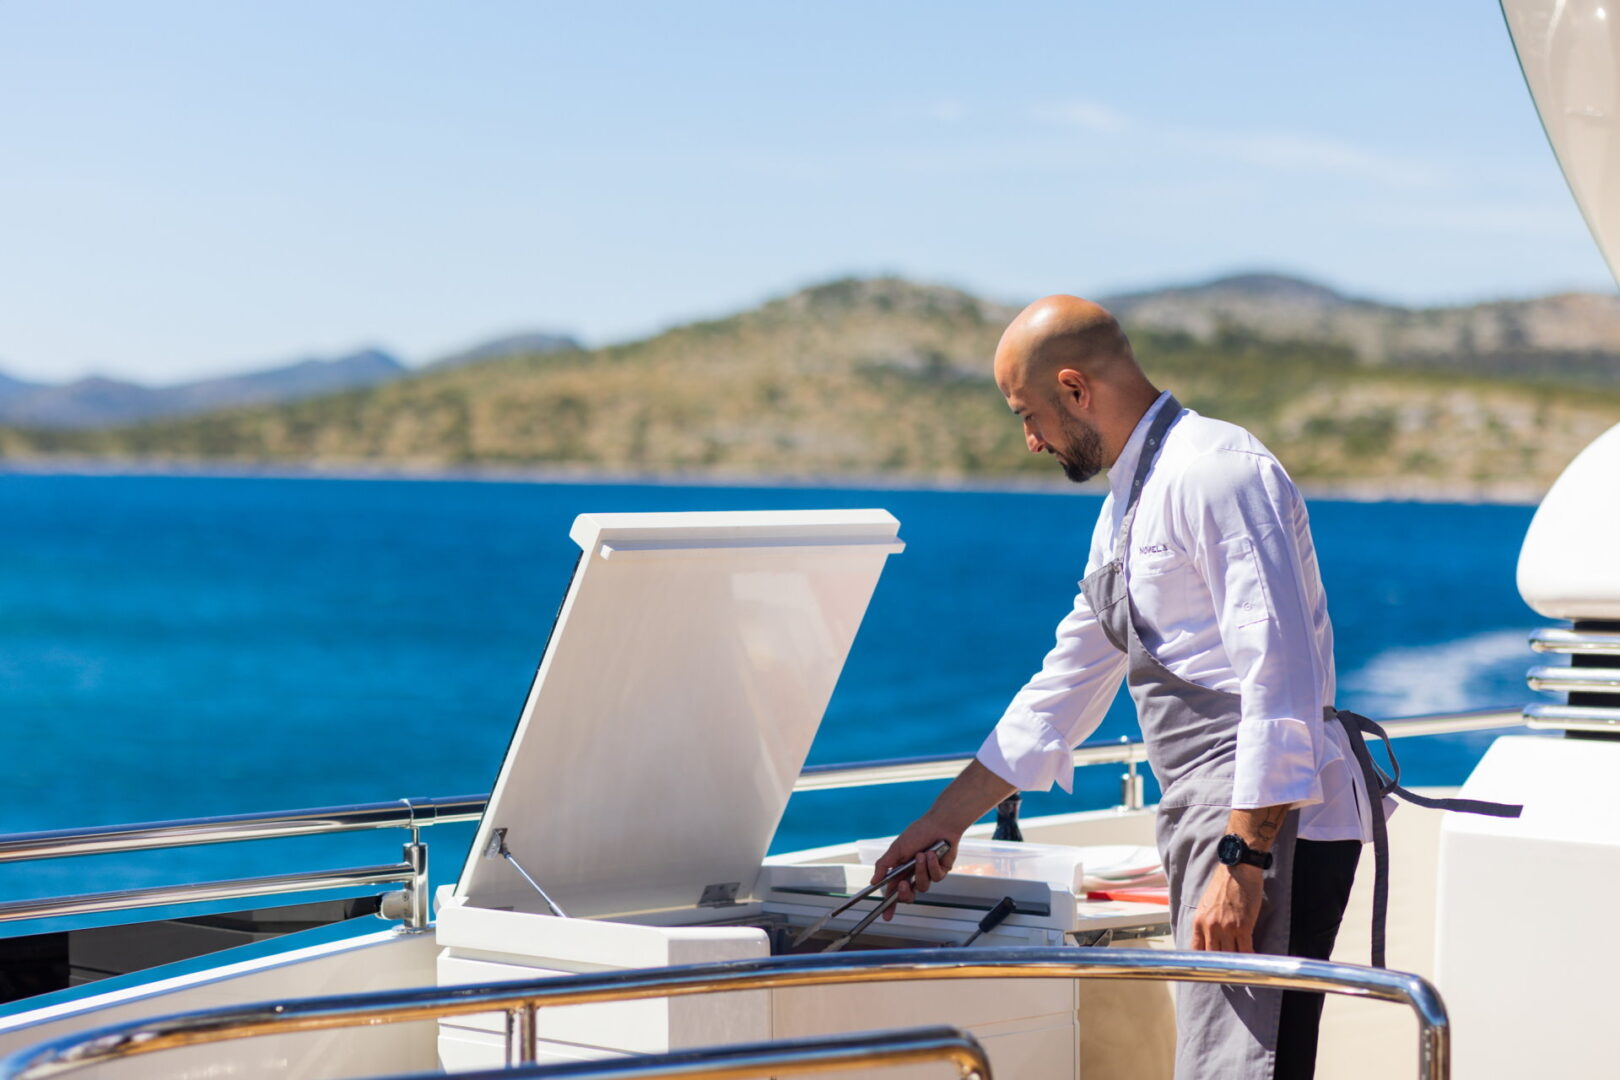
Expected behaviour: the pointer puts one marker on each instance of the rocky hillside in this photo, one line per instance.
(864, 377)
(1569, 336)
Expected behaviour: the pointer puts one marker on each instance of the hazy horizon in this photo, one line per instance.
(195, 190)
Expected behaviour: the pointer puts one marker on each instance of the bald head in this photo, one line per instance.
(1056, 332)
(1066, 368)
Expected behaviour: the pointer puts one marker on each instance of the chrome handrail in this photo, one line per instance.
(400, 873)
(417, 814)
(783, 1057)
(522, 1000)
(421, 813)
(1595, 718)
(1597, 680)
(1563, 639)
(270, 825)
(946, 766)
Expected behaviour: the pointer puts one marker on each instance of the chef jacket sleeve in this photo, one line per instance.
(1061, 705)
(1244, 521)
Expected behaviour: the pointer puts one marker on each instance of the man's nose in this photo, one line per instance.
(1036, 446)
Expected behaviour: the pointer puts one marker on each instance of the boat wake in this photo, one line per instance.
(1469, 673)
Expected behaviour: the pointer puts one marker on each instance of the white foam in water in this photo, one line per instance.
(1470, 673)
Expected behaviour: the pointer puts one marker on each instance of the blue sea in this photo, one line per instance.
(181, 646)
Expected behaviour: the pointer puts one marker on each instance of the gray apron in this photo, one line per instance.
(1191, 737)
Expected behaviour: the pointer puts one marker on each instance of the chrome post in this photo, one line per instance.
(528, 1035)
(1434, 1034)
(418, 912)
(1131, 795)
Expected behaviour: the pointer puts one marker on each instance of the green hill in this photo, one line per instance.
(864, 377)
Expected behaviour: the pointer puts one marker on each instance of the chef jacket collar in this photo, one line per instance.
(1119, 477)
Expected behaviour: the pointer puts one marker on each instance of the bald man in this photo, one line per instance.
(1202, 592)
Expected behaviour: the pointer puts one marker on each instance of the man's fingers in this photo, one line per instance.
(1219, 937)
(901, 886)
(888, 862)
(928, 870)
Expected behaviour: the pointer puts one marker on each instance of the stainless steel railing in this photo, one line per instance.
(521, 1001)
(411, 873)
(397, 814)
(413, 906)
(415, 814)
(945, 766)
(1592, 679)
(783, 1057)
(1565, 639)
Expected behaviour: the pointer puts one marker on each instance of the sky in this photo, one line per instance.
(191, 189)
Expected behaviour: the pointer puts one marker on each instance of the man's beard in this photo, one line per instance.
(1081, 457)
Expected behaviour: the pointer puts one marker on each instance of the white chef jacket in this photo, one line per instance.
(1222, 573)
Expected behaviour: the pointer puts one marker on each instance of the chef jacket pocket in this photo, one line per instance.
(1247, 597)
(1159, 581)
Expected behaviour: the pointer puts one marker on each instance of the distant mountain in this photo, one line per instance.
(100, 402)
(306, 378)
(1257, 292)
(11, 388)
(888, 377)
(527, 344)
(1573, 336)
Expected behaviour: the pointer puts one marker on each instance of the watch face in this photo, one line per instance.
(1230, 850)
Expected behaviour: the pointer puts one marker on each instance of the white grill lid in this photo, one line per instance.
(686, 676)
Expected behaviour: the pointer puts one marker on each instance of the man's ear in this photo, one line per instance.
(1074, 386)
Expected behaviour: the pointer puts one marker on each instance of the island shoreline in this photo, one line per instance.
(1368, 490)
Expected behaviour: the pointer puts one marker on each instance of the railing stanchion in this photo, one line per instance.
(1130, 784)
(529, 1033)
(418, 906)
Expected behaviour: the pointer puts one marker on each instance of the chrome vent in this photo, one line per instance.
(1591, 678)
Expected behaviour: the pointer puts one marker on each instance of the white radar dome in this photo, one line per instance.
(1569, 566)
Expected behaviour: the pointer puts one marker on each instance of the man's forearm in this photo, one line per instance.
(1259, 827)
(974, 793)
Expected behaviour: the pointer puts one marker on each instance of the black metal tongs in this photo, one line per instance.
(938, 850)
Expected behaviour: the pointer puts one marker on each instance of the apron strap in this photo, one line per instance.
(1391, 785)
(1380, 785)
(1168, 412)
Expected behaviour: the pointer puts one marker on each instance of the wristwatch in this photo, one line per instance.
(1232, 850)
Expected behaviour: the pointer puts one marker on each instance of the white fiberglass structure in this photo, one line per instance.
(668, 725)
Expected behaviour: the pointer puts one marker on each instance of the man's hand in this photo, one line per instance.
(1230, 907)
(967, 798)
(1231, 903)
(919, 836)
